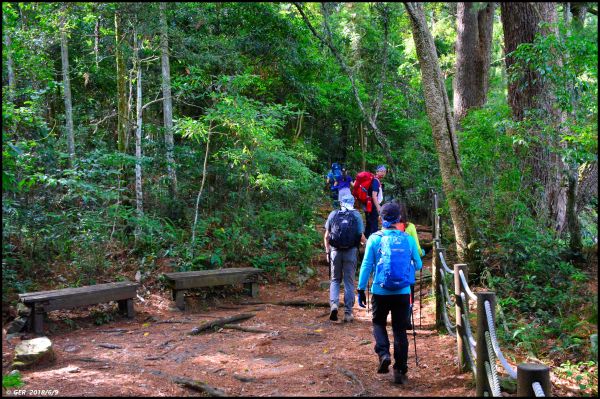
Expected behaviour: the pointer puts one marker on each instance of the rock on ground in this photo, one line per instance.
(33, 352)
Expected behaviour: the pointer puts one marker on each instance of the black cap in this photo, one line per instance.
(390, 212)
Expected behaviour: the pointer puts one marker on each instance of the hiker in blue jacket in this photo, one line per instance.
(390, 249)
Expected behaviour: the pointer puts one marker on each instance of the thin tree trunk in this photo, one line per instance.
(442, 125)
(10, 69)
(97, 42)
(10, 66)
(139, 198)
(64, 52)
(167, 101)
(122, 112)
(201, 185)
(473, 52)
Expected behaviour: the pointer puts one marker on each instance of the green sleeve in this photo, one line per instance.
(411, 230)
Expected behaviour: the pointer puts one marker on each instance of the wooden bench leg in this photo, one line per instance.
(37, 315)
(180, 299)
(251, 288)
(130, 309)
(126, 307)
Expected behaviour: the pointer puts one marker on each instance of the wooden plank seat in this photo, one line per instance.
(67, 298)
(180, 282)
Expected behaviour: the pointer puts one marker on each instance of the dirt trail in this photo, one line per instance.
(305, 355)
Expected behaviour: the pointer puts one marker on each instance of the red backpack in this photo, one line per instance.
(362, 184)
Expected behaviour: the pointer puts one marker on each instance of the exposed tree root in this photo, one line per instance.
(220, 322)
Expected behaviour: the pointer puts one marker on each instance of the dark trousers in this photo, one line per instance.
(399, 306)
(372, 222)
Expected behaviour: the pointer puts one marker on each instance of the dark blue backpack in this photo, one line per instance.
(395, 261)
(343, 231)
(334, 174)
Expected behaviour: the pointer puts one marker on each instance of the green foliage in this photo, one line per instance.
(12, 380)
(101, 317)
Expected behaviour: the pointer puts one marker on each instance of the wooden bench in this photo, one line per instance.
(183, 281)
(67, 298)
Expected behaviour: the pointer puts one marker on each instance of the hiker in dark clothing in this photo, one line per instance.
(343, 234)
(376, 193)
(390, 252)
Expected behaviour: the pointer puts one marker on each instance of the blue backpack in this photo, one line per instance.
(334, 174)
(395, 261)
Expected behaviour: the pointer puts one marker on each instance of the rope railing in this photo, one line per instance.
(538, 390)
(444, 265)
(467, 325)
(466, 285)
(481, 352)
(492, 329)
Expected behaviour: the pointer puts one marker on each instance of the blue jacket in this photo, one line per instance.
(372, 255)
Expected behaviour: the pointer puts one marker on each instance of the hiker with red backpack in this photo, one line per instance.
(369, 192)
(343, 234)
(394, 257)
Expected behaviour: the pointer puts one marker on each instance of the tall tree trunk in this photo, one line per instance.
(64, 52)
(442, 125)
(521, 22)
(167, 102)
(122, 109)
(139, 198)
(587, 184)
(473, 53)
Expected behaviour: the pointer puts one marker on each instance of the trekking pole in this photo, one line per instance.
(368, 284)
(420, 296)
(414, 332)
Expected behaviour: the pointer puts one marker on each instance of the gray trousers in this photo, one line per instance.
(343, 265)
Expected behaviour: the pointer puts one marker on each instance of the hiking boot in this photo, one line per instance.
(348, 318)
(333, 313)
(400, 378)
(384, 363)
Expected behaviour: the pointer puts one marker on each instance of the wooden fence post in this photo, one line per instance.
(482, 383)
(460, 328)
(527, 374)
(436, 279)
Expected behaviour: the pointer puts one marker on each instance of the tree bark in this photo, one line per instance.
(167, 101)
(10, 66)
(442, 125)
(122, 108)
(473, 53)
(97, 42)
(521, 22)
(587, 184)
(64, 52)
(10, 69)
(139, 198)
